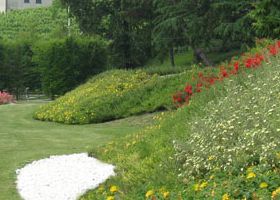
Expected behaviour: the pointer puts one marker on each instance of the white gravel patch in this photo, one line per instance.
(61, 177)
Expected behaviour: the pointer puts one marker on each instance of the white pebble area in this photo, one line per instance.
(64, 177)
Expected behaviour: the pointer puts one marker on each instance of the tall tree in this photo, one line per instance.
(126, 23)
(266, 16)
(169, 29)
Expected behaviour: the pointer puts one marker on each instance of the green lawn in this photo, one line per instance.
(23, 140)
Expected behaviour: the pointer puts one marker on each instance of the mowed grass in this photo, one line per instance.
(23, 140)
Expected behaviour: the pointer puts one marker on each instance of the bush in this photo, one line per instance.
(5, 98)
(66, 63)
(17, 70)
(113, 95)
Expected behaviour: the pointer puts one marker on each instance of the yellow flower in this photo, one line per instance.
(203, 185)
(110, 198)
(211, 158)
(263, 185)
(166, 195)
(225, 197)
(275, 193)
(149, 193)
(196, 187)
(113, 189)
(212, 177)
(251, 175)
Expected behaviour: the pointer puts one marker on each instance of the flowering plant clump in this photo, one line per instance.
(94, 101)
(5, 98)
(202, 82)
(240, 130)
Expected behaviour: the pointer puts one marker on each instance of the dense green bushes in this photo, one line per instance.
(17, 70)
(39, 23)
(56, 66)
(66, 63)
(113, 95)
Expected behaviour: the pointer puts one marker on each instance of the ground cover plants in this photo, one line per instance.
(112, 95)
(223, 145)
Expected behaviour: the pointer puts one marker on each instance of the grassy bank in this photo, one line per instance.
(24, 140)
(224, 145)
(113, 95)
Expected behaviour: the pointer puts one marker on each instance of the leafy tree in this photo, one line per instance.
(126, 23)
(266, 16)
(66, 63)
(169, 29)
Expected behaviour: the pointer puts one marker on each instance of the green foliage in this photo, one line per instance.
(157, 156)
(113, 95)
(17, 70)
(39, 23)
(266, 16)
(125, 23)
(66, 63)
(24, 139)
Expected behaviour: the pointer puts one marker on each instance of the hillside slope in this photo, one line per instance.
(224, 145)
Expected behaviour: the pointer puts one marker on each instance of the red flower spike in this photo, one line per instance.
(273, 50)
(236, 66)
(188, 89)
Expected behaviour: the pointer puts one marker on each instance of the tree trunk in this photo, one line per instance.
(201, 56)
(171, 55)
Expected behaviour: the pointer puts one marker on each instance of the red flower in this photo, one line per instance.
(249, 63)
(188, 89)
(236, 66)
(223, 72)
(177, 98)
(278, 43)
(273, 50)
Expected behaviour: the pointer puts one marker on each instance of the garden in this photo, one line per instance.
(150, 100)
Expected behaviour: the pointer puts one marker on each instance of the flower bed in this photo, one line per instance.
(5, 98)
(247, 61)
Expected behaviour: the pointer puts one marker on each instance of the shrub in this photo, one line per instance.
(113, 95)
(66, 63)
(17, 71)
(5, 98)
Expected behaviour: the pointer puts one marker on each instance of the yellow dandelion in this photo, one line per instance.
(263, 185)
(113, 189)
(203, 185)
(251, 175)
(211, 158)
(110, 198)
(196, 187)
(149, 193)
(275, 193)
(166, 195)
(225, 197)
